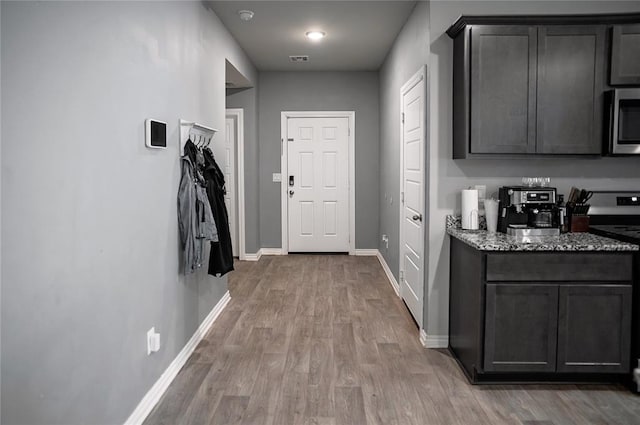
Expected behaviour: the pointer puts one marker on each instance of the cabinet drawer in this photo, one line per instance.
(554, 267)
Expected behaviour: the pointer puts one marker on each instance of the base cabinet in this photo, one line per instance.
(515, 317)
(557, 327)
(521, 324)
(594, 328)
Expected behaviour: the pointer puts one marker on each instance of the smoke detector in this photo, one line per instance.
(245, 15)
(299, 58)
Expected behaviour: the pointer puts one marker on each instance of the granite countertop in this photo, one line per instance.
(484, 241)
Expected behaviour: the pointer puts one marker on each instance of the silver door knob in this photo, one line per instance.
(291, 193)
(417, 217)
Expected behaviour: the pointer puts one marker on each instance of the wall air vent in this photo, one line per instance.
(299, 58)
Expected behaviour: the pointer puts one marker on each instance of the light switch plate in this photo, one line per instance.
(277, 177)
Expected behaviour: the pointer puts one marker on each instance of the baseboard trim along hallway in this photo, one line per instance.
(433, 341)
(261, 252)
(366, 252)
(387, 271)
(152, 397)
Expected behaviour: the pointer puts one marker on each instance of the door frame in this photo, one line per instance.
(238, 115)
(284, 170)
(421, 75)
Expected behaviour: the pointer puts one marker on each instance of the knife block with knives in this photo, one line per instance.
(578, 209)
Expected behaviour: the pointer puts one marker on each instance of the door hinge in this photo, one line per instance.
(401, 275)
(349, 131)
(402, 197)
(403, 118)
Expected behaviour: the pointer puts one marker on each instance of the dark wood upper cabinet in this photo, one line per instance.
(503, 89)
(570, 89)
(625, 55)
(534, 85)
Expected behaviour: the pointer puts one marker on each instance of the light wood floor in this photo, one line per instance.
(325, 340)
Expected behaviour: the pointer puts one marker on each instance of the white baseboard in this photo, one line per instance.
(423, 338)
(253, 257)
(366, 252)
(433, 341)
(387, 271)
(261, 252)
(157, 390)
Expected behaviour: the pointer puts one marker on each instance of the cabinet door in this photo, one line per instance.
(594, 328)
(625, 55)
(521, 323)
(503, 89)
(570, 89)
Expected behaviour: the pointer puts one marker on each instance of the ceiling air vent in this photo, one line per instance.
(299, 58)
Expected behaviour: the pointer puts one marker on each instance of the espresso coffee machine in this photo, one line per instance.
(528, 211)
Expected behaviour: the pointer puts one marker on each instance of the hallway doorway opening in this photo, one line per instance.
(230, 156)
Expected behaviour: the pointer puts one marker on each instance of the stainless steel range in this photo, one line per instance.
(617, 215)
(626, 233)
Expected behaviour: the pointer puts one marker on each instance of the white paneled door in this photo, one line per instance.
(229, 170)
(318, 184)
(412, 197)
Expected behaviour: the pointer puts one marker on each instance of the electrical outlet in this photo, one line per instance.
(153, 341)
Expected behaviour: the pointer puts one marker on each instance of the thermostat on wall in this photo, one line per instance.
(156, 134)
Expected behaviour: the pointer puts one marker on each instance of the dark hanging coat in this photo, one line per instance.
(221, 255)
(195, 218)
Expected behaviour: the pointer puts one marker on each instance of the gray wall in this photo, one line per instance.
(320, 91)
(248, 101)
(90, 241)
(409, 53)
(447, 177)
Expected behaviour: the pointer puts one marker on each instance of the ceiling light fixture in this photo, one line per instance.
(315, 35)
(245, 15)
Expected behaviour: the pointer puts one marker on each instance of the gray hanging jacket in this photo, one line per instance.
(195, 219)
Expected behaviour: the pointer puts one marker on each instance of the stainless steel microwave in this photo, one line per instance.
(622, 123)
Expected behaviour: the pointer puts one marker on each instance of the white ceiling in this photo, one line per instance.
(359, 33)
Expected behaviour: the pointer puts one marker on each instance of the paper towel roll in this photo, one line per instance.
(470, 209)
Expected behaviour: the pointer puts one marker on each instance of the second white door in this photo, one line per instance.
(412, 199)
(229, 168)
(318, 184)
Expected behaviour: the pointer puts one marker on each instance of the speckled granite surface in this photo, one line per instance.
(484, 241)
(456, 221)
